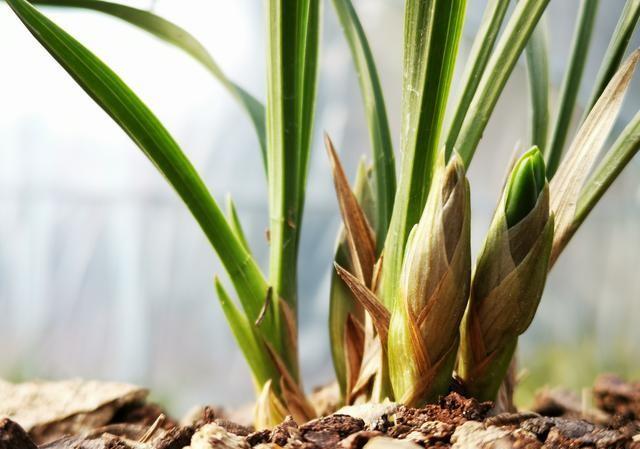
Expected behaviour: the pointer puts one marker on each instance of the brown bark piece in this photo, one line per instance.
(359, 439)
(213, 436)
(12, 436)
(49, 410)
(615, 396)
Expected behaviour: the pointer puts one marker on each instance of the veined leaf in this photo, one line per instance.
(483, 43)
(508, 49)
(292, 50)
(181, 38)
(615, 51)
(622, 151)
(537, 53)
(571, 84)
(248, 339)
(432, 34)
(384, 169)
(135, 118)
(573, 171)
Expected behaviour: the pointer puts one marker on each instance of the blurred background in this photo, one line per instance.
(104, 274)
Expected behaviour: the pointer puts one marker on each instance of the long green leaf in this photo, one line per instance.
(508, 49)
(622, 151)
(292, 51)
(478, 58)
(615, 51)
(571, 84)
(248, 339)
(384, 169)
(135, 118)
(537, 55)
(181, 38)
(432, 34)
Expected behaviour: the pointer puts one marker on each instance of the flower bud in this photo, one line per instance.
(509, 279)
(433, 291)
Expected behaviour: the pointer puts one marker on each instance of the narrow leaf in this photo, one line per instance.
(583, 152)
(615, 51)
(431, 38)
(292, 46)
(135, 118)
(234, 222)
(182, 39)
(571, 84)
(255, 352)
(537, 55)
(384, 171)
(360, 238)
(481, 49)
(622, 151)
(508, 49)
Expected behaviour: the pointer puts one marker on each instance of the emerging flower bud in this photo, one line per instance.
(433, 291)
(509, 278)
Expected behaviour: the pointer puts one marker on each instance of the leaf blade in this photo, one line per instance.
(581, 155)
(182, 39)
(432, 34)
(509, 47)
(139, 123)
(483, 44)
(537, 56)
(615, 51)
(571, 84)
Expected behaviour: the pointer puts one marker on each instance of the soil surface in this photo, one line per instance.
(558, 420)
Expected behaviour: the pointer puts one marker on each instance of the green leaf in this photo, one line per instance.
(622, 151)
(537, 54)
(508, 49)
(292, 54)
(571, 84)
(135, 118)
(432, 34)
(180, 38)
(248, 339)
(234, 222)
(384, 170)
(483, 44)
(615, 51)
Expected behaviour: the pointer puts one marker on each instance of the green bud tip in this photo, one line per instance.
(527, 182)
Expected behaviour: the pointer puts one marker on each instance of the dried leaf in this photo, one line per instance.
(574, 169)
(295, 401)
(354, 351)
(362, 246)
(378, 312)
